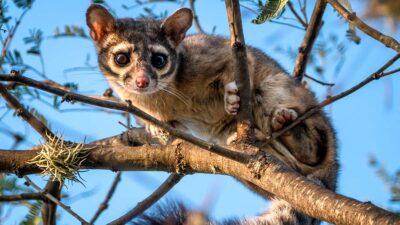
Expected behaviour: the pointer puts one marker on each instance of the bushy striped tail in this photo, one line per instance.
(175, 213)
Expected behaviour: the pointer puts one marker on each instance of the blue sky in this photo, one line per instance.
(364, 123)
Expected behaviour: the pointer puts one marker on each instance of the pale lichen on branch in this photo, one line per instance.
(61, 159)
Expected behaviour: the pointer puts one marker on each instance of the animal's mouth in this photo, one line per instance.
(133, 89)
(142, 91)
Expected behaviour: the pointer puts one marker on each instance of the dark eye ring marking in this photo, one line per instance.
(121, 59)
(159, 60)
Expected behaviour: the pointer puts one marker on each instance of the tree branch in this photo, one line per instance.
(375, 76)
(263, 170)
(10, 36)
(163, 189)
(309, 39)
(25, 114)
(245, 131)
(104, 205)
(354, 20)
(318, 81)
(21, 197)
(53, 187)
(195, 18)
(71, 96)
(49, 209)
(55, 200)
(298, 17)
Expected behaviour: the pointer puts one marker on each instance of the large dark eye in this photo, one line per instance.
(158, 60)
(121, 59)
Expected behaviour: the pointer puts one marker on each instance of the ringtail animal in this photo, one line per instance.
(188, 82)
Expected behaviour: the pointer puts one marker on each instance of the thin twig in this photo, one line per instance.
(245, 131)
(304, 10)
(293, 10)
(286, 24)
(104, 205)
(21, 197)
(55, 200)
(318, 81)
(71, 96)
(10, 36)
(195, 18)
(354, 20)
(149, 201)
(309, 39)
(375, 76)
(53, 187)
(25, 114)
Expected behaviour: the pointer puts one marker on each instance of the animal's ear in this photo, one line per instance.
(100, 22)
(176, 25)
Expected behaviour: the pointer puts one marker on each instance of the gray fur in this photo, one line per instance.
(189, 93)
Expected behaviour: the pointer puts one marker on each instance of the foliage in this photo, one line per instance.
(33, 217)
(351, 32)
(70, 31)
(392, 181)
(269, 10)
(23, 4)
(330, 47)
(9, 185)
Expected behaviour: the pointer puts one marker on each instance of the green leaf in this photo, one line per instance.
(35, 37)
(34, 50)
(72, 86)
(23, 3)
(351, 33)
(33, 217)
(270, 10)
(70, 31)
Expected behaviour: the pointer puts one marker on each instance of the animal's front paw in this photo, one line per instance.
(156, 132)
(282, 117)
(231, 139)
(231, 98)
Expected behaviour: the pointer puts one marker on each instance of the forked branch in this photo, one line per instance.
(353, 19)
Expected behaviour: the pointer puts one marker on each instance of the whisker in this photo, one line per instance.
(174, 92)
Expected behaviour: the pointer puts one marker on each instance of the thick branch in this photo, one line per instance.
(353, 19)
(49, 209)
(70, 96)
(309, 39)
(142, 206)
(245, 132)
(271, 176)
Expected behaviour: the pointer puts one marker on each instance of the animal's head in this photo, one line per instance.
(139, 55)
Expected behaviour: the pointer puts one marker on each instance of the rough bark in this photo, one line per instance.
(264, 171)
(245, 131)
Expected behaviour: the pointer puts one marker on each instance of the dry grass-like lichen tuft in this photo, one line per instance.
(61, 159)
